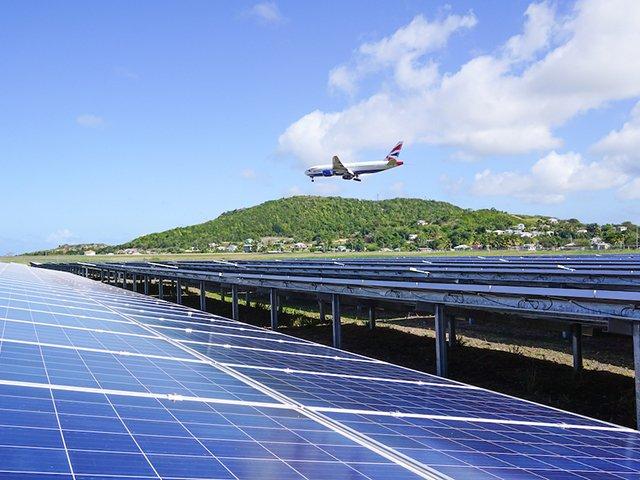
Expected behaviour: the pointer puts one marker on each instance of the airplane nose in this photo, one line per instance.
(399, 162)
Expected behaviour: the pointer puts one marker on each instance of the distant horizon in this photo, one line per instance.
(96, 243)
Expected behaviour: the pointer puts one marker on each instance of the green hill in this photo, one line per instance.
(323, 223)
(323, 220)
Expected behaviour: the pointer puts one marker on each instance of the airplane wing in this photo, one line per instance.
(338, 167)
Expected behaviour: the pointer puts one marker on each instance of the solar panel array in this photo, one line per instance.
(99, 382)
(614, 272)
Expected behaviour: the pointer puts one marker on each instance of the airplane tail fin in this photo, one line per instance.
(392, 158)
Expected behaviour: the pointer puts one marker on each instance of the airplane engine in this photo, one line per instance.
(327, 173)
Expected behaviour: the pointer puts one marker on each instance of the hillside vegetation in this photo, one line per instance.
(323, 223)
(325, 220)
(361, 224)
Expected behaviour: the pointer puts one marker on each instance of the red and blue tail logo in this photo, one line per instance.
(394, 153)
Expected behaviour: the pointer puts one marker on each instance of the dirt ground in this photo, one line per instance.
(526, 359)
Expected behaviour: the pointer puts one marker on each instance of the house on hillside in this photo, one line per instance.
(89, 253)
(599, 244)
(232, 248)
(462, 247)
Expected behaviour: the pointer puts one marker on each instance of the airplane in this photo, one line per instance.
(352, 171)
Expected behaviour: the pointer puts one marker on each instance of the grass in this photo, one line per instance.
(268, 256)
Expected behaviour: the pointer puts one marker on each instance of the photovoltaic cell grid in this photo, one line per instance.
(98, 382)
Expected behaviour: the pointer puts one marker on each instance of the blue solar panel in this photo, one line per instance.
(488, 450)
(97, 382)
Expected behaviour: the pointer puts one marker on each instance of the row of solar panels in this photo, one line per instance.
(100, 382)
(613, 273)
(561, 301)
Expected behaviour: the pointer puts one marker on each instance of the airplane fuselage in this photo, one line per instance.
(359, 168)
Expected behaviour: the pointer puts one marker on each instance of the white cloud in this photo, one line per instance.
(549, 180)
(401, 52)
(621, 152)
(505, 103)
(343, 78)
(61, 235)
(631, 190)
(622, 147)
(249, 174)
(89, 120)
(266, 12)
(538, 30)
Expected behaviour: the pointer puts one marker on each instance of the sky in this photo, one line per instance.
(124, 118)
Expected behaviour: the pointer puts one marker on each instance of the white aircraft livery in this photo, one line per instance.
(352, 171)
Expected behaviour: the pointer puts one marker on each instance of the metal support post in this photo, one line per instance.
(273, 296)
(203, 296)
(576, 346)
(146, 284)
(101, 275)
(441, 341)
(161, 288)
(452, 330)
(321, 311)
(335, 317)
(124, 280)
(235, 310)
(372, 317)
(134, 280)
(178, 291)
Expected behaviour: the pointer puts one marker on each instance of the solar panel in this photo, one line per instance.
(98, 382)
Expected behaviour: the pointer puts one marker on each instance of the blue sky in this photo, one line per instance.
(123, 118)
